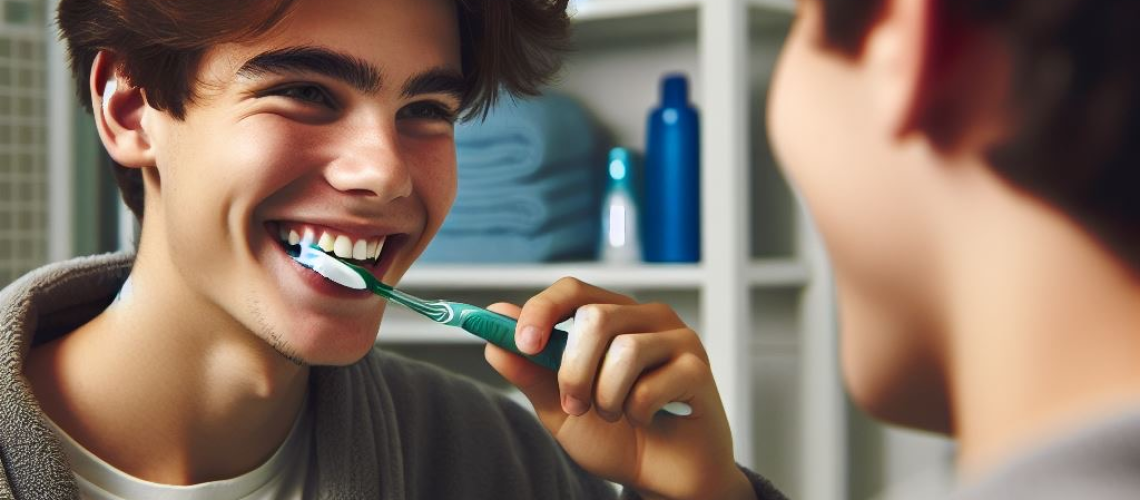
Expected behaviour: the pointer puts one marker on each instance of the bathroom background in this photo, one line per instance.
(760, 293)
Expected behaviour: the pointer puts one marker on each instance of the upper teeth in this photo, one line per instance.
(340, 245)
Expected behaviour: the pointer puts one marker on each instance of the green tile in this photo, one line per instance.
(5, 47)
(24, 221)
(24, 78)
(5, 76)
(18, 12)
(5, 106)
(24, 249)
(24, 107)
(24, 50)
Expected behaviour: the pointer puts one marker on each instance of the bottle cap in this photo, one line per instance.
(675, 91)
(620, 168)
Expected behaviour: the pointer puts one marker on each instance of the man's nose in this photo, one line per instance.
(370, 163)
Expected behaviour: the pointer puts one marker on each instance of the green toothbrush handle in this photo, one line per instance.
(500, 330)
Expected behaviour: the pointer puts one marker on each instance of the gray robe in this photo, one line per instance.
(385, 427)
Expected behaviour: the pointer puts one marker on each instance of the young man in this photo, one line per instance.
(211, 365)
(977, 192)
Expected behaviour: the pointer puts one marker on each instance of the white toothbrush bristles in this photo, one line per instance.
(332, 269)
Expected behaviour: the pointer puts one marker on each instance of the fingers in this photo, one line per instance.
(506, 309)
(595, 327)
(538, 384)
(551, 306)
(628, 357)
(681, 380)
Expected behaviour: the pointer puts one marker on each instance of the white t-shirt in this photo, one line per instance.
(282, 477)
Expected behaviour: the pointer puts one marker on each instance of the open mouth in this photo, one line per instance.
(367, 252)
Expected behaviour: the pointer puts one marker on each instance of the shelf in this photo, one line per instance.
(539, 276)
(781, 6)
(602, 23)
(595, 10)
(761, 273)
(777, 273)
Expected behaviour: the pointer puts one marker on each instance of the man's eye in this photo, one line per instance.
(427, 111)
(307, 93)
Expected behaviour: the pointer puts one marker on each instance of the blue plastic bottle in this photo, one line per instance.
(670, 212)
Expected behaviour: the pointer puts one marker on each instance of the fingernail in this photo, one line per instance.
(574, 406)
(528, 339)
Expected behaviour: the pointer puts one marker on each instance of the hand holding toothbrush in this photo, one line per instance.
(623, 362)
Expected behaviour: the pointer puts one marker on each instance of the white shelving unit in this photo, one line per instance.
(762, 297)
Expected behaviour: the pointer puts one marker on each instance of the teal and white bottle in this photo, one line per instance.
(620, 236)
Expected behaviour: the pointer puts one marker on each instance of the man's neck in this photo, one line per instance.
(169, 389)
(1045, 329)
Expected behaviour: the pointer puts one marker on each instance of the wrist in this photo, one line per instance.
(737, 487)
(733, 486)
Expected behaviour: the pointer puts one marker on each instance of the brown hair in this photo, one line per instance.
(1077, 89)
(510, 45)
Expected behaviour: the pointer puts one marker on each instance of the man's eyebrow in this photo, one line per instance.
(354, 71)
(437, 81)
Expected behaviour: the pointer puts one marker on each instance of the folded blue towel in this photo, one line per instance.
(585, 174)
(521, 139)
(520, 215)
(573, 241)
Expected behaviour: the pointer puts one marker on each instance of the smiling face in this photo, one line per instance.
(338, 123)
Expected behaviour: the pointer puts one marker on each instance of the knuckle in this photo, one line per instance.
(572, 385)
(640, 398)
(625, 350)
(664, 312)
(692, 365)
(570, 284)
(540, 303)
(598, 316)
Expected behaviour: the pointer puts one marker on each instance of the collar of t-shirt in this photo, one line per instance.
(281, 477)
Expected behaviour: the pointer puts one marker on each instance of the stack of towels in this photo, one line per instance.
(530, 185)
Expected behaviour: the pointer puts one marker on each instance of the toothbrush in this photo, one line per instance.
(488, 325)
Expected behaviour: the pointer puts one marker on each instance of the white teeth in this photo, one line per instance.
(326, 242)
(379, 247)
(282, 233)
(343, 247)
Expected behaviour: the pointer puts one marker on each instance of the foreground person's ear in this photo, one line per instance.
(118, 111)
(925, 69)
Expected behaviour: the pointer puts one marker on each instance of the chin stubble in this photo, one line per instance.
(272, 336)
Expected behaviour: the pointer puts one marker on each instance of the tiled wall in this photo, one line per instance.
(23, 138)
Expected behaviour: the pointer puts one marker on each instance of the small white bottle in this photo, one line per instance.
(620, 238)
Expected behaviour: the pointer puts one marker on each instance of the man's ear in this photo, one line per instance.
(938, 75)
(896, 50)
(118, 109)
